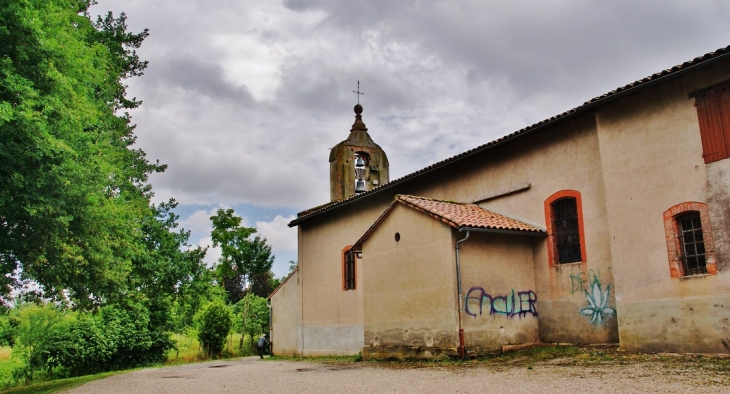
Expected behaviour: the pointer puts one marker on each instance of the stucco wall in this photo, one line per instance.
(651, 155)
(285, 318)
(410, 303)
(565, 157)
(498, 283)
(718, 201)
(332, 318)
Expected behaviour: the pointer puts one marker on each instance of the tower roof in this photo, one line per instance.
(358, 125)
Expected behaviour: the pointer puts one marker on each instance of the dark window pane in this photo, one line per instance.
(566, 235)
(349, 271)
(692, 243)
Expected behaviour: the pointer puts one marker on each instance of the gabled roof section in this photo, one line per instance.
(457, 215)
(654, 79)
(463, 215)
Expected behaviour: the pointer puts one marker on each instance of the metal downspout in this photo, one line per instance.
(462, 350)
(271, 328)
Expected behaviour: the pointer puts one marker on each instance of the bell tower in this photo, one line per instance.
(357, 164)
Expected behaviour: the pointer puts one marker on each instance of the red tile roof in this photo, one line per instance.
(651, 80)
(456, 214)
(463, 215)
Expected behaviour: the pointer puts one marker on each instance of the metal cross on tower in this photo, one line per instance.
(358, 92)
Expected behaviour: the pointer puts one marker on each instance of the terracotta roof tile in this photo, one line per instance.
(463, 215)
(456, 214)
(588, 105)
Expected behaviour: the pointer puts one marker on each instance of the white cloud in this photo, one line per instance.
(281, 237)
(213, 253)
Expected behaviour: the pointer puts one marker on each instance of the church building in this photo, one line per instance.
(608, 223)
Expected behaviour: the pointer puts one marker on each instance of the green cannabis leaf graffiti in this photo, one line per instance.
(597, 301)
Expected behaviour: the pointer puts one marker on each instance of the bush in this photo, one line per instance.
(38, 328)
(214, 324)
(110, 340)
(8, 330)
(62, 343)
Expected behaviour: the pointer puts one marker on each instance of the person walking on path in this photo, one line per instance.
(261, 345)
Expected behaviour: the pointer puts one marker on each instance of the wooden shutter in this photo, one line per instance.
(713, 111)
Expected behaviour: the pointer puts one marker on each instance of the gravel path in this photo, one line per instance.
(274, 376)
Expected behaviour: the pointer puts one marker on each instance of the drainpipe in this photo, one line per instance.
(462, 350)
(271, 328)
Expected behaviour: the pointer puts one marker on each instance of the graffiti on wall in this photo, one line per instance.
(514, 304)
(596, 293)
(581, 281)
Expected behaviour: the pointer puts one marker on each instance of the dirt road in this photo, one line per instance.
(277, 376)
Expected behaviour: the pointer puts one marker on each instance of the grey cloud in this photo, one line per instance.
(186, 72)
(583, 47)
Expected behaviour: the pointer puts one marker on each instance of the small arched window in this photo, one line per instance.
(692, 244)
(689, 240)
(349, 259)
(564, 217)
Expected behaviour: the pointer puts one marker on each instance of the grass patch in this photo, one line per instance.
(5, 352)
(189, 349)
(7, 364)
(188, 352)
(60, 384)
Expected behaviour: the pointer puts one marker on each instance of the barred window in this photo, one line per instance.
(564, 222)
(692, 244)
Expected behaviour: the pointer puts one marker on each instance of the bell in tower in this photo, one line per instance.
(357, 164)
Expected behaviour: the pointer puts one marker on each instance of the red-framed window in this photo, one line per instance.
(690, 246)
(349, 269)
(564, 222)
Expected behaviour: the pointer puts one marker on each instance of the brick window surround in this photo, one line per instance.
(549, 224)
(345, 269)
(671, 231)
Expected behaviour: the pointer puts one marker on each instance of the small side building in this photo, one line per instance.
(414, 258)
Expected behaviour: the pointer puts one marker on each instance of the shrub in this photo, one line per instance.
(36, 331)
(214, 324)
(8, 330)
(112, 339)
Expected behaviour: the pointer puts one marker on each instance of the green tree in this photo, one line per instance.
(260, 262)
(254, 313)
(167, 269)
(245, 262)
(213, 323)
(74, 190)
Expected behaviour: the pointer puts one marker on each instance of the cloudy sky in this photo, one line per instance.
(244, 98)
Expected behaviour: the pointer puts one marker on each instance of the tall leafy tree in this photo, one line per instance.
(245, 261)
(168, 269)
(73, 190)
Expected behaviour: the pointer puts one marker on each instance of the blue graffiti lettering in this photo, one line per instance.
(510, 305)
